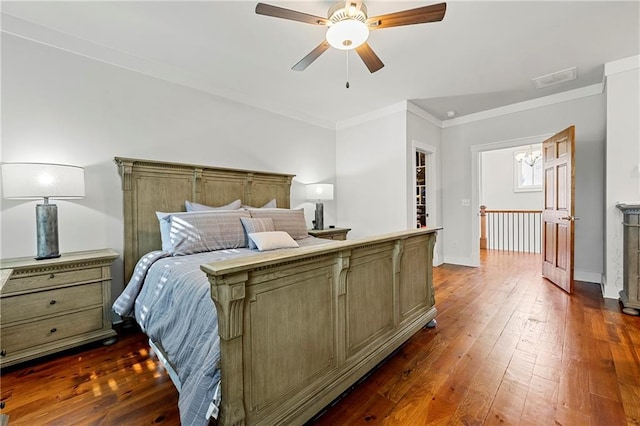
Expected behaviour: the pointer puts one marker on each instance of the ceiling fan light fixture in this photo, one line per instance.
(347, 34)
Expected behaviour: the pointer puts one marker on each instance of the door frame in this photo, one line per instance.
(430, 163)
(476, 183)
(433, 173)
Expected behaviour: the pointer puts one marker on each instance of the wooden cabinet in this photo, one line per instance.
(630, 294)
(330, 233)
(55, 304)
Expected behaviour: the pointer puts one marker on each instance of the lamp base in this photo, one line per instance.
(319, 225)
(47, 231)
(51, 256)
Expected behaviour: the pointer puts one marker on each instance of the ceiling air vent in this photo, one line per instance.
(556, 78)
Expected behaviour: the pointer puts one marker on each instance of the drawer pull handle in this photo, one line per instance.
(51, 276)
(53, 330)
(53, 302)
(3, 353)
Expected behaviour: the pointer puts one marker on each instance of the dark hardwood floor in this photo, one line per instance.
(509, 348)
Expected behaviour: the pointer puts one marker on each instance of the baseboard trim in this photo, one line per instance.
(462, 261)
(590, 277)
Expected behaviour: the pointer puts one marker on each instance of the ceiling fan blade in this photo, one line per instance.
(312, 56)
(292, 15)
(420, 15)
(369, 57)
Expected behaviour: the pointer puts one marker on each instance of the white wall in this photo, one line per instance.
(371, 174)
(497, 183)
(64, 108)
(375, 170)
(623, 159)
(461, 223)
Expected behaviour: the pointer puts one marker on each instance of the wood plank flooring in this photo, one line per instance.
(509, 348)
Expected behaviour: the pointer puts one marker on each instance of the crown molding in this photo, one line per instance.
(372, 115)
(622, 65)
(583, 92)
(416, 110)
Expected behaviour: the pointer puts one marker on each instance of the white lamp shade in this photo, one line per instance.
(320, 191)
(41, 180)
(347, 34)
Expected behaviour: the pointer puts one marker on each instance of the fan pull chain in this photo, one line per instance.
(346, 56)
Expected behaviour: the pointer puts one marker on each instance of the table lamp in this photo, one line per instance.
(319, 192)
(41, 180)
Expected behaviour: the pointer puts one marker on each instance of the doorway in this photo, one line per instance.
(511, 199)
(422, 211)
(476, 179)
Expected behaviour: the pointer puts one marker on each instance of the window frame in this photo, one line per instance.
(517, 171)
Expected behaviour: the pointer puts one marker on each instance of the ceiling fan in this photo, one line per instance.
(348, 27)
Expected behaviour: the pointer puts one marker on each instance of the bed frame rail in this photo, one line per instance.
(298, 328)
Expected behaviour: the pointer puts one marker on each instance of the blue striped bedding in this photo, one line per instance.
(169, 296)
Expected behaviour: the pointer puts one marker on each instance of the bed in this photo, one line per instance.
(287, 331)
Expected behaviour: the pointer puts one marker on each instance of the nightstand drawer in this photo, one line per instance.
(33, 282)
(51, 305)
(43, 303)
(49, 330)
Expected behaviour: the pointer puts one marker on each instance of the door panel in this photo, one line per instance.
(558, 215)
(549, 191)
(562, 241)
(550, 240)
(562, 190)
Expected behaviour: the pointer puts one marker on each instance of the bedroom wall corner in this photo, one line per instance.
(622, 161)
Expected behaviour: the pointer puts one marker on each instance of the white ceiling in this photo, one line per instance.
(483, 55)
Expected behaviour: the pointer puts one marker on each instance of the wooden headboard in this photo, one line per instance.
(150, 186)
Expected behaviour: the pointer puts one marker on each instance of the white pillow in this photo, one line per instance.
(197, 207)
(272, 240)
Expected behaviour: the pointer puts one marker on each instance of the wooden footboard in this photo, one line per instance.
(298, 328)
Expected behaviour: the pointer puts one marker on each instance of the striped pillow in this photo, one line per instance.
(290, 221)
(252, 225)
(195, 232)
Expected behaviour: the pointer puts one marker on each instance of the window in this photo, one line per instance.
(527, 165)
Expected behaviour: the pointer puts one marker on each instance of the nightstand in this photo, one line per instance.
(50, 305)
(330, 233)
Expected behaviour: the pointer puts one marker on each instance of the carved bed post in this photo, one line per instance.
(125, 168)
(228, 293)
(341, 271)
(398, 251)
